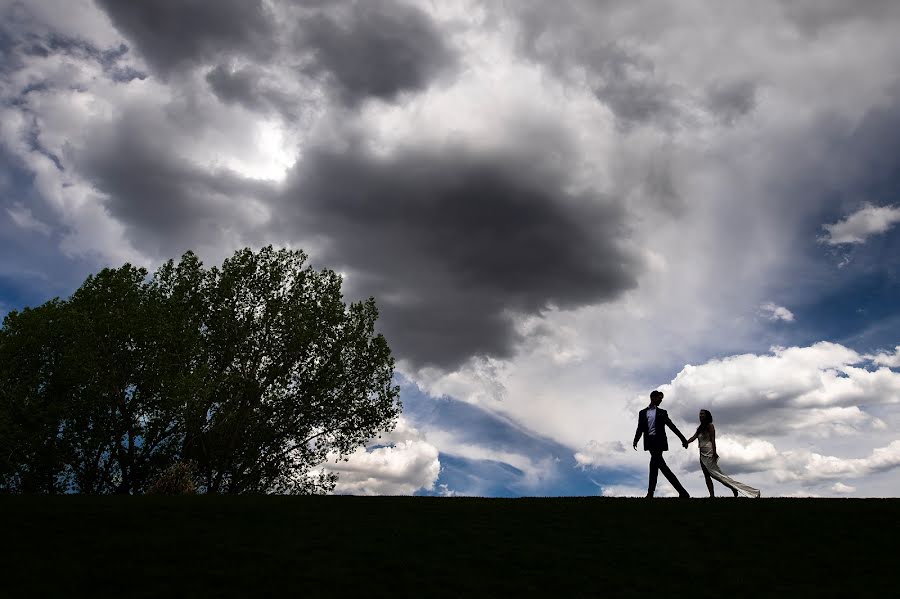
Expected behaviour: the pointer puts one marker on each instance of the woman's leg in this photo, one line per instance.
(735, 486)
(709, 485)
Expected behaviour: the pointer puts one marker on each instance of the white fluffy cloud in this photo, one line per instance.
(402, 463)
(820, 390)
(889, 360)
(773, 311)
(862, 224)
(597, 453)
(809, 467)
(840, 487)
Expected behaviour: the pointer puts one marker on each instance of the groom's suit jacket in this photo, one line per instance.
(658, 441)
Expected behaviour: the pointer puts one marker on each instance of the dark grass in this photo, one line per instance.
(456, 547)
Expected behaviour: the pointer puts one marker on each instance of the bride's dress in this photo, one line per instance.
(706, 458)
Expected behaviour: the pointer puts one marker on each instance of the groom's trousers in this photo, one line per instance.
(657, 463)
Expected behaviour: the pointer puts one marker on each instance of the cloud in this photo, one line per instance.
(776, 312)
(253, 88)
(818, 390)
(813, 16)
(372, 49)
(401, 463)
(358, 50)
(597, 453)
(810, 467)
(465, 240)
(745, 454)
(889, 360)
(731, 99)
(568, 38)
(164, 200)
(24, 219)
(840, 487)
(862, 224)
(173, 34)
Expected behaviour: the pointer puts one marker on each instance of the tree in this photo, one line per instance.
(31, 457)
(251, 374)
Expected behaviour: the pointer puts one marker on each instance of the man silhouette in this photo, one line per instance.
(652, 422)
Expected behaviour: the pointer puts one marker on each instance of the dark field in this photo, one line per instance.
(425, 547)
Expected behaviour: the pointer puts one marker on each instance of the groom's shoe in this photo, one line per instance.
(684, 495)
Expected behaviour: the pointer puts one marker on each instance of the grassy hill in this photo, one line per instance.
(447, 547)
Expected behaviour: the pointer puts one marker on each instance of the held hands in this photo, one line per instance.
(684, 444)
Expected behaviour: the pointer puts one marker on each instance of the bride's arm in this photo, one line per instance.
(691, 440)
(712, 438)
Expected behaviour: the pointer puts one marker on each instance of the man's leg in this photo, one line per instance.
(671, 477)
(654, 472)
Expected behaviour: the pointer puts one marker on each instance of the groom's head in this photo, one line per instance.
(656, 397)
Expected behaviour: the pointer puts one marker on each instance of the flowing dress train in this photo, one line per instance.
(706, 458)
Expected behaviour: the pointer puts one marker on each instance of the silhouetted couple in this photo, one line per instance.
(652, 423)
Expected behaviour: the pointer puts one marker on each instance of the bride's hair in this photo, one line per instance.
(705, 421)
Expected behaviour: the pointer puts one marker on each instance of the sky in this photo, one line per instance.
(558, 207)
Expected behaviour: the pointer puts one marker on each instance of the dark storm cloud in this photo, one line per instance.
(730, 100)
(235, 86)
(166, 203)
(377, 48)
(246, 86)
(453, 244)
(635, 101)
(175, 33)
(813, 16)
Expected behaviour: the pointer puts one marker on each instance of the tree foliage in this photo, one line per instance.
(249, 375)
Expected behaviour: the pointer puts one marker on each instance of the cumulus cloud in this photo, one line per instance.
(172, 34)
(821, 390)
(254, 88)
(601, 453)
(810, 467)
(773, 311)
(886, 359)
(401, 463)
(372, 49)
(858, 227)
(840, 487)
(745, 454)
(165, 200)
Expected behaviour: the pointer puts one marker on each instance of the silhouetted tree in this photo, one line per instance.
(251, 374)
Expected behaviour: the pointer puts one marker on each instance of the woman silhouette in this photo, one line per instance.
(709, 459)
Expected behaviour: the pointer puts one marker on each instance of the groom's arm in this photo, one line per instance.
(675, 429)
(637, 433)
